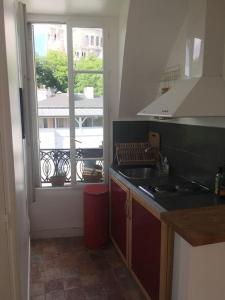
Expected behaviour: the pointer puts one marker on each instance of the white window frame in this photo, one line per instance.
(72, 22)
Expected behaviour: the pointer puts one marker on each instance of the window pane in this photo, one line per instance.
(97, 122)
(89, 110)
(90, 170)
(87, 122)
(88, 52)
(62, 122)
(88, 86)
(88, 94)
(50, 43)
(92, 40)
(41, 122)
(97, 41)
(45, 122)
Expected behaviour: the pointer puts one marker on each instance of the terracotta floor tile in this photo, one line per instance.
(37, 259)
(114, 260)
(69, 271)
(37, 276)
(102, 265)
(94, 292)
(121, 272)
(42, 297)
(134, 295)
(75, 294)
(116, 297)
(91, 280)
(56, 295)
(71, 282)
(52, 273)
(64, 269)
(37, 289)
(54, 285)
(49, 264)
(108, 279)
(87, 268)
(128, 283)
(70, 260)
(98, 297)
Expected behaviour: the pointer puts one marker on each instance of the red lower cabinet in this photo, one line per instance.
(118, 218)
(135, 230)
(145, 248)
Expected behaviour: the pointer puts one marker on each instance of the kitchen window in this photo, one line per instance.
(69, 85)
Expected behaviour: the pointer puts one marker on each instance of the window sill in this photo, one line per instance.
(77, 186)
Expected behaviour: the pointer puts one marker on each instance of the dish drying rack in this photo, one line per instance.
(136, 154)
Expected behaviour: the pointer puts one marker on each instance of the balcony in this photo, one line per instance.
(89, 165)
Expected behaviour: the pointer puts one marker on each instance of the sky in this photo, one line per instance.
(40, 39)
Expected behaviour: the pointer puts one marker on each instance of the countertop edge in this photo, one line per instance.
(197, 234)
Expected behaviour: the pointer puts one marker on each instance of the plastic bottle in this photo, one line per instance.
(218, 179)
(166, 167)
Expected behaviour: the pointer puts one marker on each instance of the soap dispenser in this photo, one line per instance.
(165, 166)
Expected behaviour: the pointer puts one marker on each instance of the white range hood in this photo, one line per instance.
(202, 92)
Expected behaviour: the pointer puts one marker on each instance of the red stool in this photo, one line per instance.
(96, 212)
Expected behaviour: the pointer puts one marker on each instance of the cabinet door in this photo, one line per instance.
(119, 197)
(145, 248)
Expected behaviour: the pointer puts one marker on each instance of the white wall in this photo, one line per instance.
(198, 272)
(152, 29)
(122, 30)
(57, 212)
(178, 53)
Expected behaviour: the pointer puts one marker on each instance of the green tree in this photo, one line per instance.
(90, 62)
(51, 71)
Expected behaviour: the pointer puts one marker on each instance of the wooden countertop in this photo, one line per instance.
(199, 226)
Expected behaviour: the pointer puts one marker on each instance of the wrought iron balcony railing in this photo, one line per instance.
(89, 164)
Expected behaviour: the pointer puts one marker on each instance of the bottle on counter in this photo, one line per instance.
(218, 179)
(165, 166)
(222, 183)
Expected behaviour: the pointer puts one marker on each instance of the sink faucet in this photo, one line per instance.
(148, 149)
(162, 164)
(156, 151)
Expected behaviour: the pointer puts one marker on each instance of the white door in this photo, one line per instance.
(5, 281)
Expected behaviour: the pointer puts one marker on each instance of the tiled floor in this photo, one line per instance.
(63, 269)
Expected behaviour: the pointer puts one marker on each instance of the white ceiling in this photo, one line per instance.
(79, 7)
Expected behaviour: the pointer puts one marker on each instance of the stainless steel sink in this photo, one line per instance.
(138, 173)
